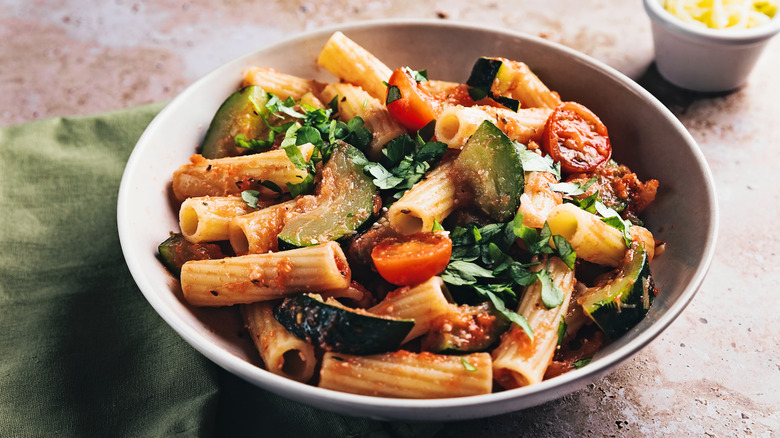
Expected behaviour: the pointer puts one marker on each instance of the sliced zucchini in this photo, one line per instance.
(176, 250)
(241, 113)
(335, 327)
(345, 202)
(468, 329)
(489, 78)
(490, 163)
(623, 301)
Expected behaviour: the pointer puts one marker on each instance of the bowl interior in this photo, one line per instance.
(645, 135)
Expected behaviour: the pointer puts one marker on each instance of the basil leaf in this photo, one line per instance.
(460, 273)
(574, 188)
(251, 197)
(272, 186)
(613, 219)
(510, 315)
(587, 203)
(433, 150)
(562, 326)
(296, 157)
(533, 162)
(308, 134)
(436, 226)
(302, 188)
(565, 251)
(521, 275)
(551, 296)
(417, 75)
(358, 135)
(393, 94)
(383, 178)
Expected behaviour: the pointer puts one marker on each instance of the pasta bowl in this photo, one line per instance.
(645, 135)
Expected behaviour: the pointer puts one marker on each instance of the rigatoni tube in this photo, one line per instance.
(232, 175)
(207, 218)
(432, 198)
(592, 238)
(457, 123)
(352, 63)
(421, 303)
(280, 84)
(282, 352)
(261, 277)
(408, 375)
(520, 361)
(353, 101)
(256, 232)
(537, 200)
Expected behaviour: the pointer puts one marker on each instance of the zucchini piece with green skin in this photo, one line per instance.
(623, 301)
(177, 250)
(241, 113)
(491, 165)
(466, 330)
(335, 327)
(345, 202)
(485, 73)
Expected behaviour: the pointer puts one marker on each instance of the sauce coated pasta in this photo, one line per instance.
(393, 235)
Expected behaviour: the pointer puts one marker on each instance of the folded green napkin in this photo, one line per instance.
(81, 351)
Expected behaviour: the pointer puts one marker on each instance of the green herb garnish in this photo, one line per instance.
(404, 162)
(467, 365)
(582, 362)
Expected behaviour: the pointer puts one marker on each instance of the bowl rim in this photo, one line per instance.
(729, 37)
(397, 408)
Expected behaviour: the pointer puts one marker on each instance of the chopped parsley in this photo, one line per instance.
(468, 366)
(301, 124)
(562, 326)
(404, 162)
(480, 264)
(582, 362)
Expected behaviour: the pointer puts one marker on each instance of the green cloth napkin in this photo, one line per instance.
(81, 351)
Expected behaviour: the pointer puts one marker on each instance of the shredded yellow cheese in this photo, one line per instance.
(723, 14)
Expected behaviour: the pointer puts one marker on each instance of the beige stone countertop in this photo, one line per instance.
(714, 372)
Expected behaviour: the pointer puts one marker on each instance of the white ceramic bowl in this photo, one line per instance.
(645, 135)
(703, 59)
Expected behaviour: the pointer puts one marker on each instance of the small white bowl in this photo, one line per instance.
(702, 59)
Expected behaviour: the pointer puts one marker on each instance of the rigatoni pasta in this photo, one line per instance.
(282, 353)
(207, 218)
(262, 277)
(428, 201)
(406, 374)
(520, 361)
(232, 175)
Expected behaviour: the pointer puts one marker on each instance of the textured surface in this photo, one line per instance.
(715, 371)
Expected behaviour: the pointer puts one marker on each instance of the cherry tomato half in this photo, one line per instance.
(576, 138)
(412, 259)
(416, 107)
